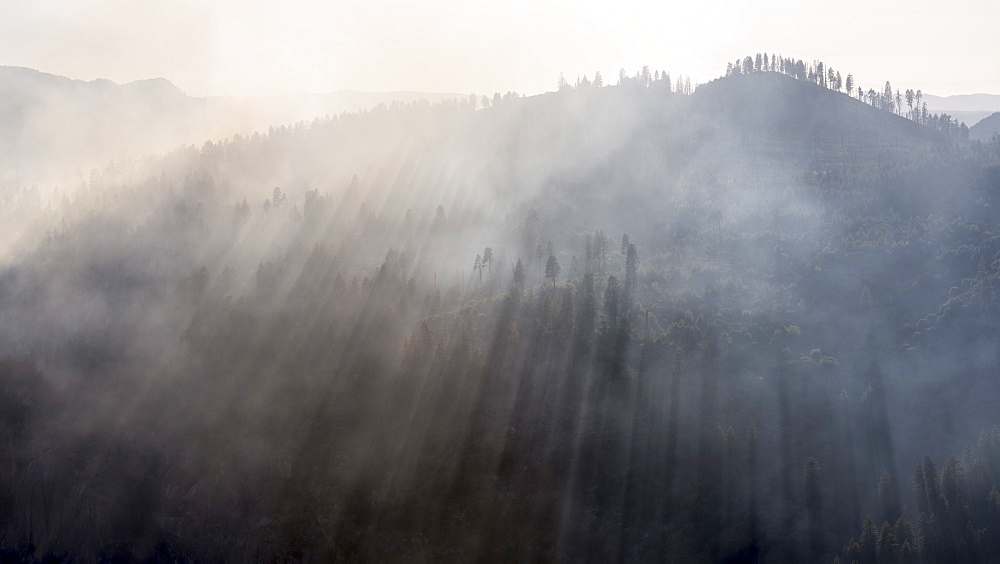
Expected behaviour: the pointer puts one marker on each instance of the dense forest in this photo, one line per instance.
(746, 321)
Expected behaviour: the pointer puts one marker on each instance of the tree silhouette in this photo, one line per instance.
(631, 269)
(440, 220)
(488, 259)
(539, 254)
(519, 277)
(552, 269)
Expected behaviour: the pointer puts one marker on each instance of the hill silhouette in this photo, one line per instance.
(609, 151)
(986, 129)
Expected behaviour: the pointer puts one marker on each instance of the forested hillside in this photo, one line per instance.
(609, 323)
(986, 129)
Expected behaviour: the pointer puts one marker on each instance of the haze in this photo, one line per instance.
(233, 47)
(734, 299)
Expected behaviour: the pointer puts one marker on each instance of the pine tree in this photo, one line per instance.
(920, 489)
(601, 252)
(886, 547)
(539, 253)
(612, 297)
(488, 259)
(903, 532)
(519, 276)
(588, 252)
(887, 497)
(631, 268)
(440, 220)
(868, 542)
(552, 269)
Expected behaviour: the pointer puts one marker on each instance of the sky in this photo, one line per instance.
(251, 47)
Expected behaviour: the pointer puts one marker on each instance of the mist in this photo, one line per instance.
(637, 319)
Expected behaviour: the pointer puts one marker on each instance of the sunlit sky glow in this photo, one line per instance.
(251, 47)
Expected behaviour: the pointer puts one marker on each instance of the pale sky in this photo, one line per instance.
(251, 47)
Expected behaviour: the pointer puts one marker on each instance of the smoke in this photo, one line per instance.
(276, 345)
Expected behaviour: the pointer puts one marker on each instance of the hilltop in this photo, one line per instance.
(610, 152)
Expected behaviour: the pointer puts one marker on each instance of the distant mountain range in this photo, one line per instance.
(963, 102)
(968, 108)
(52, 127)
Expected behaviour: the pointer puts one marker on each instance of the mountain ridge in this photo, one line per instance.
(963, 102)
(54, 128)
(161, 83)
(111, 121)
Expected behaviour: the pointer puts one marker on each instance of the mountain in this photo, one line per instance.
(51, 125)
(967, 108)
(963, 102)
(599, 324)
(986, 129)
(53, 128)
(614, 146)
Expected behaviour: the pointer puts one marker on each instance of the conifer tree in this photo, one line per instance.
(552, 269)
(519, 277)
(488, 259)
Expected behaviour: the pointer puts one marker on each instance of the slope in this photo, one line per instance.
(986, 129)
